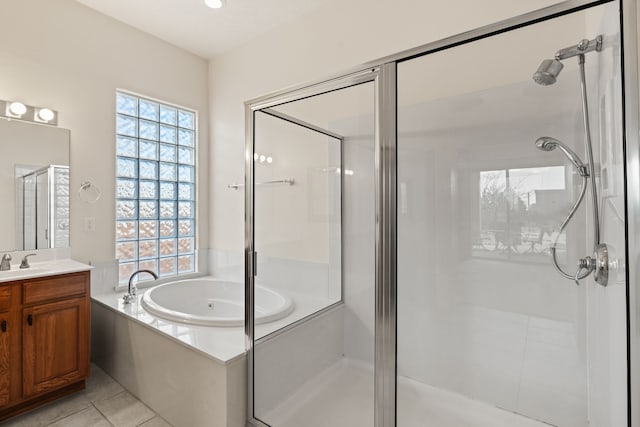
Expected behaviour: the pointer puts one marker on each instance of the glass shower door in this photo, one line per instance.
(488, 332)
(313, 236)
(43, 196)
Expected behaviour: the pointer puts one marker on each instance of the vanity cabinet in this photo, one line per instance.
(55, 345)
(44, 352)
(5, 345)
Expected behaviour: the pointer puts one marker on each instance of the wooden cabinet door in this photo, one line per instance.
(5, 359)
(8, 347)
(55, 345)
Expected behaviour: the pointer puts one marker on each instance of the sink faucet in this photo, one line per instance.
(131, 294)
(25, 261)
(6, 262)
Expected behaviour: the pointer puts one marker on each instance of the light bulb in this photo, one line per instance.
(213, 4)
(255, 156)
(269, 159)
(17, 108)
(262, 158)
(46, 114)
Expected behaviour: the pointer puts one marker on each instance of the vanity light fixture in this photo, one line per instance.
(214, 4)
(16, 110)
(45, 115)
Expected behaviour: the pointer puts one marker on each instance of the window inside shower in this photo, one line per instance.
(513, 216)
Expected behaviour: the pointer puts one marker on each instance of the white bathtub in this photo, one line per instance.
(213, 302)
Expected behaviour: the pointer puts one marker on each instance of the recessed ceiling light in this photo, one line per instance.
(213, 4)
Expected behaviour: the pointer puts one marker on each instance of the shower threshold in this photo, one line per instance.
(342, 396)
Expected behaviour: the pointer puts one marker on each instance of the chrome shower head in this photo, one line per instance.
(547, 143)
(547, 72)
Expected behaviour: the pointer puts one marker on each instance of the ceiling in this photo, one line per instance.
(190, 25)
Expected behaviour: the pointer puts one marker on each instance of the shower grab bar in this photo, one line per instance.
(288, 181)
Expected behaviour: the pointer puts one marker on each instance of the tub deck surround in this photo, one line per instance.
(221, 344)
(200, 378)
(42, 269)
(184, 386)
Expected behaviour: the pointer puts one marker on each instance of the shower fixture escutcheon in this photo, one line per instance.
(548, 71)
(547, 74)
(584, 46)
(598, 264)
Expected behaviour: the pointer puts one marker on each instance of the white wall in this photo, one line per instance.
(336, 36)
(301, 231)
(62, 55)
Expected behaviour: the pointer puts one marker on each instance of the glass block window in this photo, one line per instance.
(155, 187)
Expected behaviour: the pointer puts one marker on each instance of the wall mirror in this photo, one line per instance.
(34, 186)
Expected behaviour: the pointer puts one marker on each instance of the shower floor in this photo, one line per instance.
(342, 396)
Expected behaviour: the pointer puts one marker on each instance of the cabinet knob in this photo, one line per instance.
(30, 320)
(3, 326)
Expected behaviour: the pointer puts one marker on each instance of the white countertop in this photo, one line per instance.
(42, 269)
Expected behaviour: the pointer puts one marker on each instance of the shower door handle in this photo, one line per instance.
(254, 263)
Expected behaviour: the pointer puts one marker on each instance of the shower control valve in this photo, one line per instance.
(598, 264)
(601, 264)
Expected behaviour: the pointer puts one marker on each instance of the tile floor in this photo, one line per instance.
(104, 403)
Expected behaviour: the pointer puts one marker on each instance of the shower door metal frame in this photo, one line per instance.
(630, 90)
(383, 73)
(383, 79)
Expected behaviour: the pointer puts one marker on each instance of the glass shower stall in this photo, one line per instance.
(454, 226)
(42, 207)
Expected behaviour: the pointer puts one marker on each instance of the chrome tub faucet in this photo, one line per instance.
(131, 293)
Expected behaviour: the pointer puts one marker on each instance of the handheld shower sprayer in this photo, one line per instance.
(547, 74)
(547, 143)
